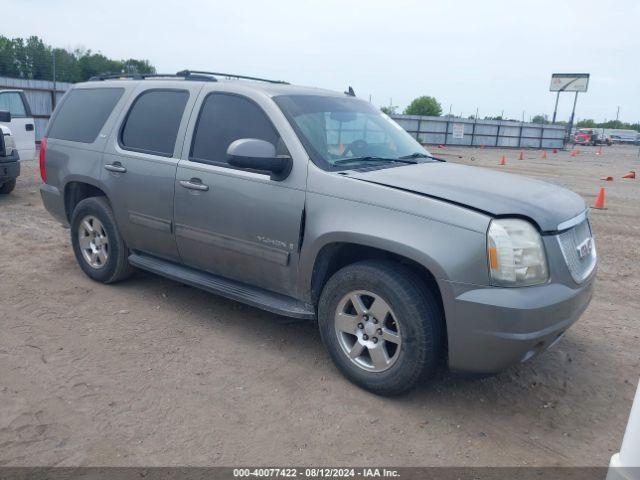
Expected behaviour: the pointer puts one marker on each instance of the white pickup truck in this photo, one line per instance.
(21, 123)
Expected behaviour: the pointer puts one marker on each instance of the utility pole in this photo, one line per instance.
(573, 113)
(53, 98)
(555, 109)
(618, 114)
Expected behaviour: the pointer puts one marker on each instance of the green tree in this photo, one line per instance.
(92, 64)
(425, 105)
(33, 59)
(542, 119)
(37, 58)
(8, 65)
(67, 67)
(137, 66)
(614, 124)
(587, 123)
(389, 110)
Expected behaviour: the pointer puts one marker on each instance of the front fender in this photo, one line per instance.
(449, 252)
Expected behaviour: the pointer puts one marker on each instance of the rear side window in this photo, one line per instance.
(152, 123)
(225, 118)
(12, 102)
(83, 113)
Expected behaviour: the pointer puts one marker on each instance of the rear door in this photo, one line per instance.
(237, 223)
(140, 161)
(21, 125)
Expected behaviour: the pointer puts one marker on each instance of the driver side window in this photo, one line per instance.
(225, 118)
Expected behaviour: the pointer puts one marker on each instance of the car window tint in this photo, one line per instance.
(226, 118)
(83, 113)
(152, 123)
(12, 102)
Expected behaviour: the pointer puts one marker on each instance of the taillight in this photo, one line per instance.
(43, 157)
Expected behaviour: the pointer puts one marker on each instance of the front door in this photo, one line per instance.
(231, 222)
(21, 125)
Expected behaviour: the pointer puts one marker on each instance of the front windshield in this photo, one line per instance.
(347, 133)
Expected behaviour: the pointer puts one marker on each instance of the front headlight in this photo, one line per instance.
(516, 254)
(9, 144)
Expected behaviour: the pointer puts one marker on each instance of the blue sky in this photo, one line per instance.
(490, 55)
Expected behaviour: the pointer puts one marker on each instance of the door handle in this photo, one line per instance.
(115, 167)
(29, 127)
(194, 184)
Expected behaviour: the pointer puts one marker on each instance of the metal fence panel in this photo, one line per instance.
(491, 133)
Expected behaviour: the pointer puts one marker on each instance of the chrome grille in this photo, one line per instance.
(574, 243)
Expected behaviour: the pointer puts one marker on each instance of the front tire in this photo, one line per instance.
(8, 186)
(381, 325)
(97, 244)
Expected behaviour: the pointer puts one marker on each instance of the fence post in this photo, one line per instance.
(473, 130)
(498, 132)
(520, 136)
(54, 99)
(446, 129)
(419, 128)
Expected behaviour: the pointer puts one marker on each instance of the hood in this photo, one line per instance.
(495, 193)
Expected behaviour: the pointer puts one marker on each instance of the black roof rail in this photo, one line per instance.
(143, 76)
(199, 73)
(186, 74)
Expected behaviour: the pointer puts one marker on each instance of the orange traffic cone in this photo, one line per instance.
(599, 152)
(544, 154)
(440, 146)
(521, 156)
(503, 160)
(481, 146)
(574, 153)
(631, 174)
(599, 199)
(607, 179)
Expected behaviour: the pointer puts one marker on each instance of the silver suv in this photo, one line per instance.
(315, 205)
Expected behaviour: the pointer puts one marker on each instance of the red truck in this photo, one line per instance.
(589, 136)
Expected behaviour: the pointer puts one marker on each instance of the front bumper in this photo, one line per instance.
(491, 328)
(9, 171)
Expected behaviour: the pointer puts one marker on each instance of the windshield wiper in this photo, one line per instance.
(421, 155)
(343, 161)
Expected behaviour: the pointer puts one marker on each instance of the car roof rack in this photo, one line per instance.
(186, 74)
(143, 76)
(200, 73)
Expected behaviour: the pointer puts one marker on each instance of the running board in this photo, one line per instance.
(256, 297)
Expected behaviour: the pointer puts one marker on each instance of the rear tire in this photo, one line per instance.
(8, 186)
(97, 244)
(409, 333)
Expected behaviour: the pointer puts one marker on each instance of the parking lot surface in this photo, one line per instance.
(150, 372)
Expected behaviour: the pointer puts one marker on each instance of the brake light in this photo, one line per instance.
(43, 157)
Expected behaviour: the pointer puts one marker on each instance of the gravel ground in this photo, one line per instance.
(150, 372)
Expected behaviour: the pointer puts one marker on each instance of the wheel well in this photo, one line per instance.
(335, 256)
(75, 192)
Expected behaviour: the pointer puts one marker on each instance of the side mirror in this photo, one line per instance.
(5, 116)
(260, 155)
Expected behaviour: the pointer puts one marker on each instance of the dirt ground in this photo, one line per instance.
(150, 372)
